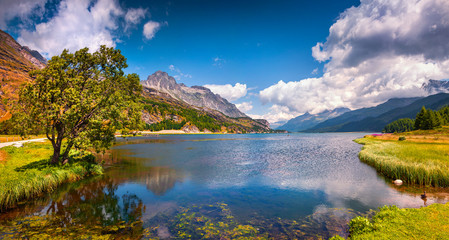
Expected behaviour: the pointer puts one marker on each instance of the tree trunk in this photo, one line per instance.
(65, 155)
(56, 153)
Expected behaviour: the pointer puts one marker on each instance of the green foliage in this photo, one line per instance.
(413, 162)
(400, 125)
(392, 222)
(359, 225)
(444, 113)
(337, 237)
(27, 172)
(428, 119)
(195, 117)
(166, 124)
(402, 138)
(82, 97)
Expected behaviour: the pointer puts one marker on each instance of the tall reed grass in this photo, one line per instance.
(26, 173)
(413, 162)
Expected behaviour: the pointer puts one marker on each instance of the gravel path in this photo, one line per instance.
(20, 143)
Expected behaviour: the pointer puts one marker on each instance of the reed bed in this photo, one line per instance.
(26, 173)
(413, 162)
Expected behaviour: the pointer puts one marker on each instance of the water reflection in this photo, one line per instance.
(261, 178)
(95, 202)
(159, 180)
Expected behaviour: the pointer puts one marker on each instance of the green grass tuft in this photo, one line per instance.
(430, 222)
(27, 173)
(413, 162)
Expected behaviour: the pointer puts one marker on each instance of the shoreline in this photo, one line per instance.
(26, 172)
(391, 222)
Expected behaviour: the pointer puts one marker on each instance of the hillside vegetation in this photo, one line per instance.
(162, 112)
(15, 64)
(426, 119)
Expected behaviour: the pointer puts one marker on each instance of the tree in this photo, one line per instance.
(81, 98)
(444, 113)
(420, 118)
(400, 125)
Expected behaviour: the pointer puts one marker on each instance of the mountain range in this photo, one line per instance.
(196, 95)
(167, 104)
(307, 120)
(372, 119)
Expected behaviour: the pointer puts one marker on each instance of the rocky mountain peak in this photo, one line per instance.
(436, 86)
(161, 81)
(30, 56)
(197, 95)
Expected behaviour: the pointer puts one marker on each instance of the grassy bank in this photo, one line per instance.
(430, 222)
(424, 161)
(25, 172)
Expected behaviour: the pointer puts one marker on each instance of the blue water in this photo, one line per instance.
(259, 176)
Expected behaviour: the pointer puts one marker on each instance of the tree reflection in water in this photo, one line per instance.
(96, 202)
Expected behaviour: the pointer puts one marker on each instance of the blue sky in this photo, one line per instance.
(328, 54)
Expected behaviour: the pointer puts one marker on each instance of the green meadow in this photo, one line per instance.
(414, 162)
(26, 172)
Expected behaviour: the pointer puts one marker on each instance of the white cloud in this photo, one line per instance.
(22, 9)
(229, 92)
(374, 52)
(150, 28)
(244, 106)
(179, 74)
(77, 24)
(315, 71)
(276, 114)
(134, 16)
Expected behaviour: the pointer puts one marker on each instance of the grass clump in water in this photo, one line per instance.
(26, 172)
(423, 163)
(391, 222)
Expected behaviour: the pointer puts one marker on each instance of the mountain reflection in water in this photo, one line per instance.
(271, 181)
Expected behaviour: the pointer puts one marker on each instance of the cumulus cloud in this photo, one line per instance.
(77, 24)
(374, 52)
(20, 9)
(229, 92)
(150, 28)
(276, 114)
(74, 24)
(179, 74)
(244, 106)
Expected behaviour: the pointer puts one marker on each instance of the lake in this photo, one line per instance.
(285, 185)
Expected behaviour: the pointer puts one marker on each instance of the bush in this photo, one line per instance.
(401, 139)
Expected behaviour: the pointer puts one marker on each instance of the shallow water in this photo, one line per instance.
(262, 178)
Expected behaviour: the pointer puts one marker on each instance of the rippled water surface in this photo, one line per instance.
(264, 179)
